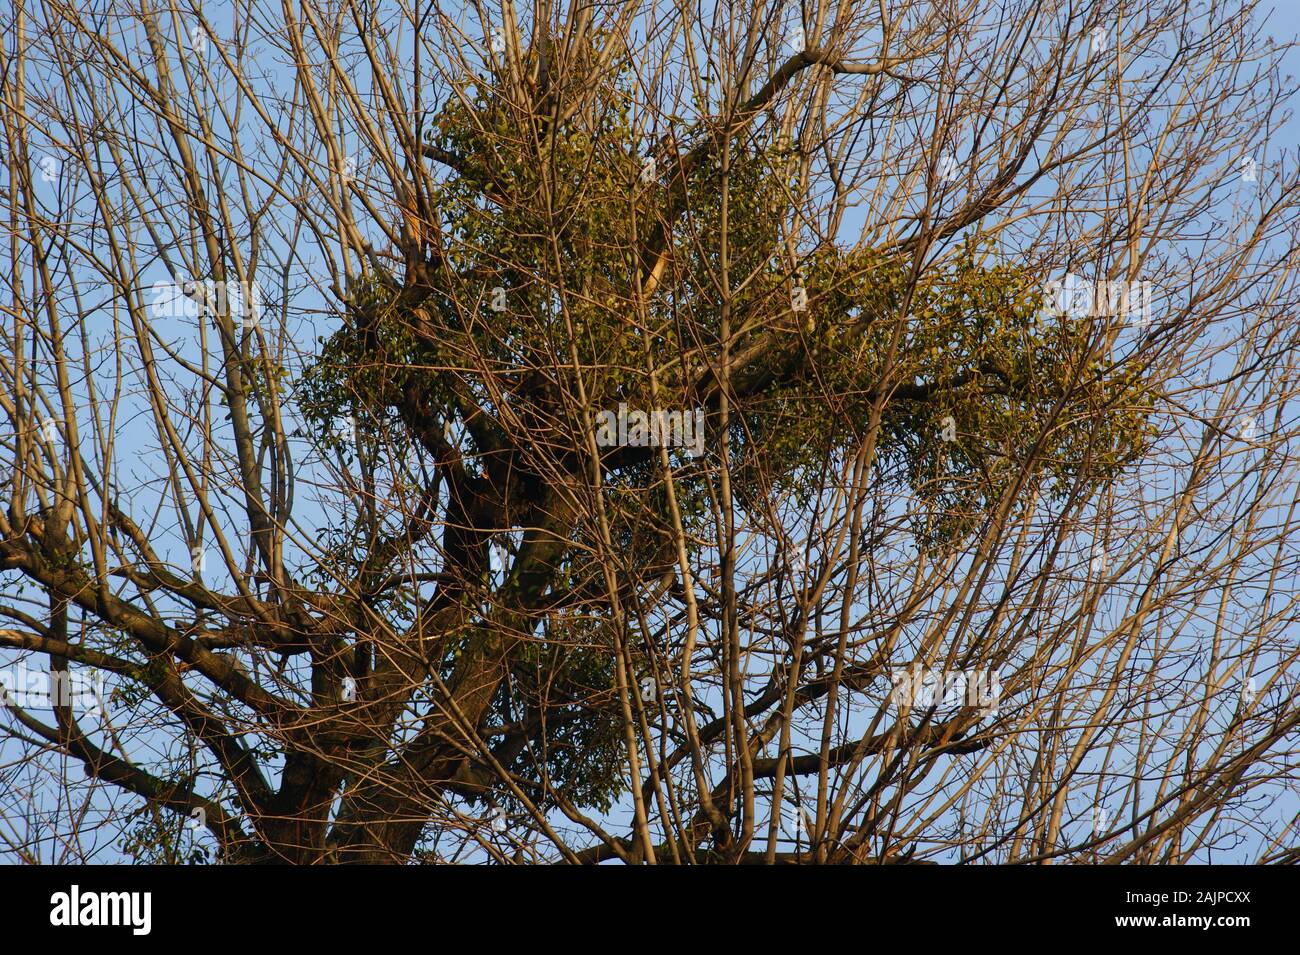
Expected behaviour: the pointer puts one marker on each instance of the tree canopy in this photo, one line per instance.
(427, 610)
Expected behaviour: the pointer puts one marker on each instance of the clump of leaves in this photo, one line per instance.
(532, 281)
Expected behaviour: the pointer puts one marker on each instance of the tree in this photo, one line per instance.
(859, 435)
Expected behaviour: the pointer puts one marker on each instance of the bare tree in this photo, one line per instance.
(674, 434)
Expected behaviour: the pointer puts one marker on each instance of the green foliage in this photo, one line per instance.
(567, 679)
(969, 382)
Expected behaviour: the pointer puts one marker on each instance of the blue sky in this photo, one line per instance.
(145, 487)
